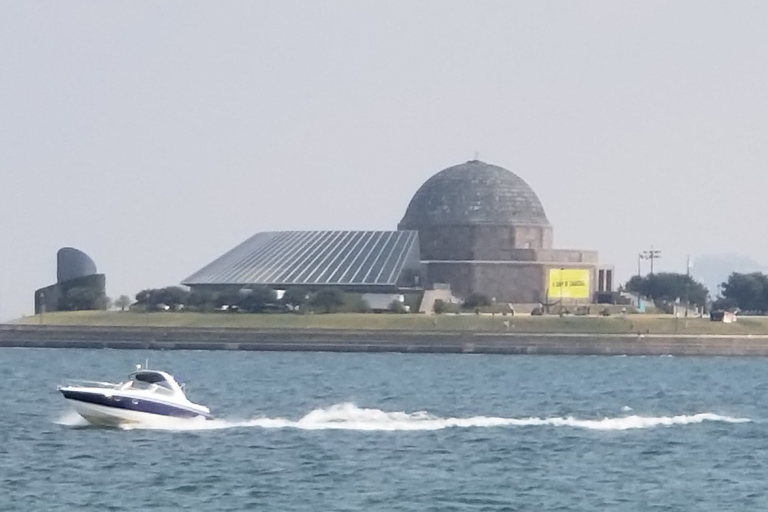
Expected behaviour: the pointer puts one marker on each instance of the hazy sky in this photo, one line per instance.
(155, 136)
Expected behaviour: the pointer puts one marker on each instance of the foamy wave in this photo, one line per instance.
(348, 416)
(71, 419)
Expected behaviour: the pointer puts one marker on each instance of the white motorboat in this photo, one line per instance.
(147, 395)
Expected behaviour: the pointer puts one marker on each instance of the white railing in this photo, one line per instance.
(89, 383)
(121, 386)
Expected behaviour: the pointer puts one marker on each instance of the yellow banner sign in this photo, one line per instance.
(568, 283)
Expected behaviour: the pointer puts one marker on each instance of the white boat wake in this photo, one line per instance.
(348, 416)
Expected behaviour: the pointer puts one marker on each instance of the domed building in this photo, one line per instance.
(474, 227)
(483, 229)
(78, 284)
(476, 211)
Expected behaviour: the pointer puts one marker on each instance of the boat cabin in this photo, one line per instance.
(153, 380)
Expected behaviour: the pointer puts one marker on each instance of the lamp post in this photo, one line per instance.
(561, 291)
(146, 307)
(687, 284)
(652, 254)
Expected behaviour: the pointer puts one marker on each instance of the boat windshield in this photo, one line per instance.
(153, 381)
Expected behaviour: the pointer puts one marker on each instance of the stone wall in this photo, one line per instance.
(458, 274)
(381, 341)
(533, 237)
(507, 281)
(481, 242)
(560, 256)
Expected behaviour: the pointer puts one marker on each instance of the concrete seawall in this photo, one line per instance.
(166, 338)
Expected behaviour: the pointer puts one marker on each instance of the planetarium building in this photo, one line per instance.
(473, 228)
(75, 271)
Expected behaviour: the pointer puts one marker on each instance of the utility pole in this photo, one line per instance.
(649, 255)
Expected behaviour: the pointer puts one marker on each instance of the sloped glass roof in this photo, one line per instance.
(313, 258)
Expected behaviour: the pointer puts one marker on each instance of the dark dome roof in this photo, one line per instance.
(474, 193)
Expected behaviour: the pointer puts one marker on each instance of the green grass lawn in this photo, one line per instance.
(653, 324)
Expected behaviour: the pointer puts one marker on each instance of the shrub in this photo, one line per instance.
(256, 299)
(328, 300)
(296, 298)
(354, 303)
(397, 307)
(202, 300)
(476, 300)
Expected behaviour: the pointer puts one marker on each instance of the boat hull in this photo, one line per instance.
(104, 416)
(114, 409)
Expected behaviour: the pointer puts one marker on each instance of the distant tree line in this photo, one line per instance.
(746, 292)
(473, 302)
(669, 287)
(254, 299)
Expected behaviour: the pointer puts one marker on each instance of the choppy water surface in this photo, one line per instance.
(321, 432)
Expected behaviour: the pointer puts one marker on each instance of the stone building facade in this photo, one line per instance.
(74, 270)
(483, 229)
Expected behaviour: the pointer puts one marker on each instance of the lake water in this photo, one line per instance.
(384, 432)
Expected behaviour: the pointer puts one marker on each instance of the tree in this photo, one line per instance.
(725, 303)
(296, 298)
(172, 296)
(668, 287)
(397, 307)
(439, 307)
(328, 300)
(748, 291)
(228, 297)
(123, 302)
(201, 300)
(256, 299)
(355, 303)
(638, 285)
(144, 297)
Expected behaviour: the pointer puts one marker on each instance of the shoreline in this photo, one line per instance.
(366, 340)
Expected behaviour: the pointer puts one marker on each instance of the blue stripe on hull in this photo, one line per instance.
(133, 404)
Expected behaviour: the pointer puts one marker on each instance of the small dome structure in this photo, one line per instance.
(73, 263)
(474, 193)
